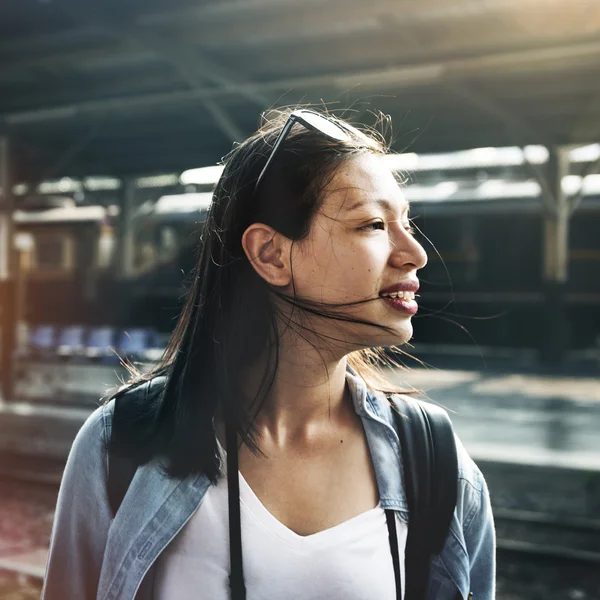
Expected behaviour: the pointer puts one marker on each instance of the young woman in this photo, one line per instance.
(307, 263)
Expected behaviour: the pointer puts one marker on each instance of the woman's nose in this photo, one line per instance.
(408, 252)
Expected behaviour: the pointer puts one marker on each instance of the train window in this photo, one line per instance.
(49, 253)
(105, 247)
(156, 244)
(53, 253)
(454, 257)
(145, 250)
(168, 243)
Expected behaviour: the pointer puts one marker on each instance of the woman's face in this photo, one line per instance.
(359, 247)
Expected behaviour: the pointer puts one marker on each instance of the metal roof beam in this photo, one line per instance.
(405, 76)
(224, 121)
(196, 68)
(520, 131)
(353, 11)
(178, 56)
(575, 200)
(430, 11)
(44, 42)
(75, 57)
(183, 62)
(449, 71)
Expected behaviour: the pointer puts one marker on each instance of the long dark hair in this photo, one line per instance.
(229, 317)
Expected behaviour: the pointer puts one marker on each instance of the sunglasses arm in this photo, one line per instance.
(280, 139)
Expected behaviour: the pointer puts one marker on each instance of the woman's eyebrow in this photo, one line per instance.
(384, 203)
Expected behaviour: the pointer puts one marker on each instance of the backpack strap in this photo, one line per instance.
(431, 479)
(122, 468)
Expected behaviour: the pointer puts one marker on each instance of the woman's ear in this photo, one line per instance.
(268, 252)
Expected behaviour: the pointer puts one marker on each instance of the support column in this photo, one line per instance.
(8, 308)
(556, 338)
(125, 243)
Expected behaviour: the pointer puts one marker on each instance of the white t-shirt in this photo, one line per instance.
(351, 561)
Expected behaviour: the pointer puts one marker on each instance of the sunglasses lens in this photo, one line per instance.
(329, 128)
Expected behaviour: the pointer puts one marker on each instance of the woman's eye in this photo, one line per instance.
(410, 229)
(374, 226)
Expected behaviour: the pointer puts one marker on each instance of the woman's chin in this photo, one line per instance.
(405, 333)
(400, 335)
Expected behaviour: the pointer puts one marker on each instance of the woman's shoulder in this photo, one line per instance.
(95, 433)
(96, 427)
(88, 455)
(133, 399)
(136, 390)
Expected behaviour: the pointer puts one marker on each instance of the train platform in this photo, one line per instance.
(527, 418)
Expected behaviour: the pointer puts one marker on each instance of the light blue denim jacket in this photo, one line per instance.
(93, 556)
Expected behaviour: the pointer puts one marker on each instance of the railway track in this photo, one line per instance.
(30, 469)
(548, 535)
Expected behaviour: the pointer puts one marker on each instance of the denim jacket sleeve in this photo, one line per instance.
(82, 517)
(478, 528)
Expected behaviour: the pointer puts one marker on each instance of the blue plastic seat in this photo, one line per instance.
(134, 343)
(100, 343)
(41, 342)
(71, 341)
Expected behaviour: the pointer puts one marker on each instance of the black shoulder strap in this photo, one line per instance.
(121, 468)
(431, 479)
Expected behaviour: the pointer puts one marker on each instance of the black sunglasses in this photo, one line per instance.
(311, 120)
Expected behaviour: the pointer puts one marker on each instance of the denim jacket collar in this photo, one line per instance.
(384, 444)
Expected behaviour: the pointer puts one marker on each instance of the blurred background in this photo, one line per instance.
(113, 117)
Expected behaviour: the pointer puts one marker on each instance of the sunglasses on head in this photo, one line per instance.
(328, 126)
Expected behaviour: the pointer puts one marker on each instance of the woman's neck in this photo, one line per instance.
(308, 396)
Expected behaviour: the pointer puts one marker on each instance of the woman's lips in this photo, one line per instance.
(406, 306)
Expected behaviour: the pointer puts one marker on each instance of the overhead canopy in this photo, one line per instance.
(140, 86)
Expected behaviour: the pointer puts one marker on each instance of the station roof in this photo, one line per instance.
(140, 86)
